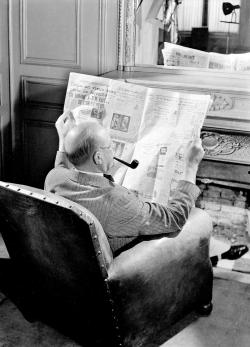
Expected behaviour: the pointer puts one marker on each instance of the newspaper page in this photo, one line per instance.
(221, 61)
(170, 121)
(176, 55)
(117, 105)
(230, 62)
(242, 62)
(149, 124)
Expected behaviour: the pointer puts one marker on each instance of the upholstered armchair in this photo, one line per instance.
(62, 261)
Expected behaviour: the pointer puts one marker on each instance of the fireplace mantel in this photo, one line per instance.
(230, 93)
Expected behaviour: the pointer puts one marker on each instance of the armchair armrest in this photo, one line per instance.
(162, 278)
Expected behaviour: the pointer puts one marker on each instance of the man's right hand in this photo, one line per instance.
(195, 152)
(194, 155)
(63, 124)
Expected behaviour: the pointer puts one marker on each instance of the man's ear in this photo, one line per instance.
(97, 158)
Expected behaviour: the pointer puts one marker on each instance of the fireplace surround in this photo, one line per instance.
(224, 180)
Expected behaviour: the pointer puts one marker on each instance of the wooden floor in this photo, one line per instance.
(15, 331)
(227, 326)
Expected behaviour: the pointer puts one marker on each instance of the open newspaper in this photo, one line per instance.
(149, 124)
(175, 55)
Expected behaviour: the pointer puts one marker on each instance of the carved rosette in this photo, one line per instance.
(221, 102)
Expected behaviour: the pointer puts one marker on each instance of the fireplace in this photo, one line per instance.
(228, 208)
(224, 180)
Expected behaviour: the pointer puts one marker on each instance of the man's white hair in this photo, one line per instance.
(82, 141)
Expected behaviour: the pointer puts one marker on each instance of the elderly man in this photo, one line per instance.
(82, 166)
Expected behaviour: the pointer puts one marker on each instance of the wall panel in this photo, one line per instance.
(5, 135)
(50, 32)
(40, 142)
(49, 92)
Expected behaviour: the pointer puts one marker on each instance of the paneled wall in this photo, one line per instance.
(4, 91)
(49, 39)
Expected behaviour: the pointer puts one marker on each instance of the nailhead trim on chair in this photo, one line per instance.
(49, 199)
(114, 316)
(100, 259)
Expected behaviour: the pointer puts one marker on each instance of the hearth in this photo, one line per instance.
(229, 210)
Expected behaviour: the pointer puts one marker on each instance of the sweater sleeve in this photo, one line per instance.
(136, 217)
(173, 215)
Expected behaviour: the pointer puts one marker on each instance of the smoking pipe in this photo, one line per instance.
(133, 165)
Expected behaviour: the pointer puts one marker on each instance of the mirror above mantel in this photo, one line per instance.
(141, 62)
(201, 27)
(194, 33)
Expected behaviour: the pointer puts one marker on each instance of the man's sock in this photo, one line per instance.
(214, 260)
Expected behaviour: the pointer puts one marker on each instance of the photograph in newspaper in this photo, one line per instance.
(124, 108)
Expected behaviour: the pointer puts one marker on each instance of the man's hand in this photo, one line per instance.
(63, 124)
(195, 152)
(194, 155)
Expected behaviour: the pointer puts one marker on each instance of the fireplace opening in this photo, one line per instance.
(229, 209)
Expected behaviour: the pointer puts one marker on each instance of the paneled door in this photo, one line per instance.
(49, 39)
(5, 155)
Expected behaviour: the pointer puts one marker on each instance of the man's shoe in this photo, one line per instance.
(235, 252)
